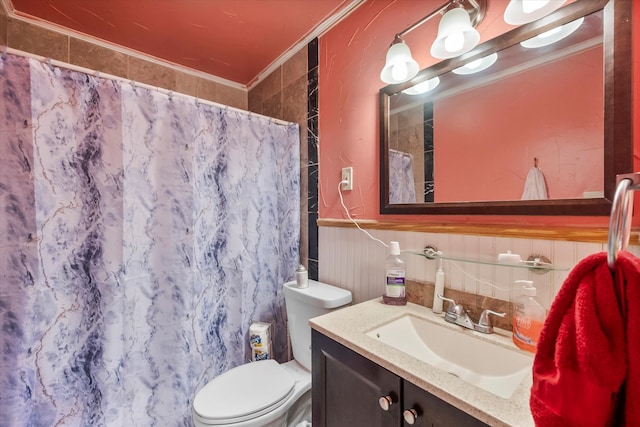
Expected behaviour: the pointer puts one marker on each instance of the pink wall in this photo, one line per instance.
(515, 122)
(351, 57)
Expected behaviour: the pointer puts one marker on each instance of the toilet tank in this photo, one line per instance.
(305, 303)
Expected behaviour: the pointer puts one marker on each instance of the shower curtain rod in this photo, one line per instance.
(60, 64)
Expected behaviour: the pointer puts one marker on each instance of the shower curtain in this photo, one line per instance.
(401, 182)
(140, 233)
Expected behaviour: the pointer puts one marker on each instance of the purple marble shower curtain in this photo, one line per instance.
(401, 182)
(140, 236)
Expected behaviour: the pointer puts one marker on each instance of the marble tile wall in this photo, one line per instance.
(313, 159)
(3, 27)
(290, 93)
(29, 37)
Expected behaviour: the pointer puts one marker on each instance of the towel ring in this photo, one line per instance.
(621, 213)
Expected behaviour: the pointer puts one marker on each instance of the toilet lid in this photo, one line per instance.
(244, 392)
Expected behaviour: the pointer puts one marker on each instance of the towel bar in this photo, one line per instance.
(621, 212)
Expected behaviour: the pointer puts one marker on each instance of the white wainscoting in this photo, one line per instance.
(348, 258)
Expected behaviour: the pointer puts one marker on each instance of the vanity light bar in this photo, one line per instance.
(454, 38)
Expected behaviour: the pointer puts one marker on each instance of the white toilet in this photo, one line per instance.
(266, 393)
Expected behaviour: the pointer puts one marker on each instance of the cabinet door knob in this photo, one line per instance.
(385, 402)
(410, 416)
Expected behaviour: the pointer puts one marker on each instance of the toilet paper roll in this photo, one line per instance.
(259, 335)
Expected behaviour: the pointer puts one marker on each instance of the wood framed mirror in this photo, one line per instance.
(452, 172)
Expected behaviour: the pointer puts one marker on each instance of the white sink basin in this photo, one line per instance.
(492, 367)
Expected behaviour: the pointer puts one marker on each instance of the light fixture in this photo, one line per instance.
(553, 35)
(400, 65)
(477, 65)
(520, 12)
(456, 35)
(423, 87)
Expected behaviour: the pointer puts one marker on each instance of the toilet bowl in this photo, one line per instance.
(255, 394)
(266, 393)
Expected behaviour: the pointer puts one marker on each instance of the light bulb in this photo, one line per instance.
(477, 65)
(553, 35)
(550, 33)
(530, 6)
(454, 42)
(423, 87)
(399, 71)
(474, 64)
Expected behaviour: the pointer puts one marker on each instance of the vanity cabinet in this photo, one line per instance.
(349, 390)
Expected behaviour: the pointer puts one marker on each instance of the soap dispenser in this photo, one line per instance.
(528, 317)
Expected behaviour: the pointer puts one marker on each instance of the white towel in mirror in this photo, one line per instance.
(535, 187)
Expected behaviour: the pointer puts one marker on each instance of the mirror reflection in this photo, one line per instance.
(517, 124)
(539, 129)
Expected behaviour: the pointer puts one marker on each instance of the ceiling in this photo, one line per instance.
(236, 40)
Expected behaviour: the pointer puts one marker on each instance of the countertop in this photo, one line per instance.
(349, 326)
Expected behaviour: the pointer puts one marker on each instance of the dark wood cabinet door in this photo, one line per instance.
(347, 388)
(433, 411)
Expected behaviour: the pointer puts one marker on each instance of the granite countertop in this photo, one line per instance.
(349, 326)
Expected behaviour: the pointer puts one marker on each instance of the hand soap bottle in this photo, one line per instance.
(394, 290)
(528, 317)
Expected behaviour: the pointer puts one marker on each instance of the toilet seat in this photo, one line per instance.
(243, 393)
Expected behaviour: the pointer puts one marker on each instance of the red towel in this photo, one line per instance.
(586, 371)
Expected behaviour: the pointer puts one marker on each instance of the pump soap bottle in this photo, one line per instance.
(528, 317)
(394, 291)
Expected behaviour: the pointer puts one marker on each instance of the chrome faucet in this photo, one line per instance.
(457, 315)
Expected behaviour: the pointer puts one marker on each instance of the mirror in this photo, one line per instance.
(541, 131)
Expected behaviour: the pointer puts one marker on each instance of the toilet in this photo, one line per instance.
(266, 393)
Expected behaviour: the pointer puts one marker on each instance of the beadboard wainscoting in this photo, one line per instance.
(348, 258)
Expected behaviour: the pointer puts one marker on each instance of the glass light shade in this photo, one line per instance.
(477, 65)
(553, 35)
(400, 65)
(423, 87)
(520, 12)
(456, 35)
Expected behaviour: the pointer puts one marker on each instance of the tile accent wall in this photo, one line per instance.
(313, 160)
(3, 27)
(290, 93)
(349, 259)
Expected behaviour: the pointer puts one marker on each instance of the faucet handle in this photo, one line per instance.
(451, 302)
(484, 324)
(454, 311)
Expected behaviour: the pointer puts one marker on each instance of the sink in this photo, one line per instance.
(492, 367)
